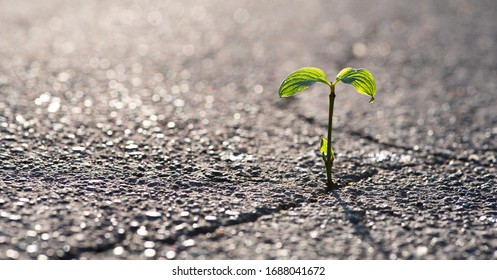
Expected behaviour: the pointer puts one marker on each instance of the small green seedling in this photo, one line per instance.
(361, 79)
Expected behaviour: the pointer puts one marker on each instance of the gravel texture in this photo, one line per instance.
(153, 130)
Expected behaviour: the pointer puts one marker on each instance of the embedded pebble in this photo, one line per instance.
(170, 255)
(119, 250)
(12, 254)
(210, 218)
(153, 215)
(78, 149)
(149, 253)
(188, 243)
(142, 231)
(32, 248)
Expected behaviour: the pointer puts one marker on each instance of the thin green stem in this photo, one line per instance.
(329, 158)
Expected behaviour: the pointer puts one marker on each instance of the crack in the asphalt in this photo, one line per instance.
(75, 252)
(445, 156)
(353, 178)
(253, 217)
(377, 141)
(244, 219)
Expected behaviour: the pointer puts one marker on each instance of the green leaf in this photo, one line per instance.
(324, 148)
(300, 80)
(361, 79)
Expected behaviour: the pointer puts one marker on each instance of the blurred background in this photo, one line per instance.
(157, 64)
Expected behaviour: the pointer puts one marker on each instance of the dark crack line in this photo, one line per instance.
(444, 156)
(75, 252)
(247, 218)
(244, 219)
(391, 166)
(353, 179)
(377, 141)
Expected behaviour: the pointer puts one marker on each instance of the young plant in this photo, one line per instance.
(361, 79)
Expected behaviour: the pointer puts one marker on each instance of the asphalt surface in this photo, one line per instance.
(153, 130)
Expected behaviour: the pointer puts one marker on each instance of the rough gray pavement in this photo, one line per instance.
(153, 129)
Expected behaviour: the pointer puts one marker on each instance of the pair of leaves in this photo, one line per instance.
(360, 78)
(324, 148)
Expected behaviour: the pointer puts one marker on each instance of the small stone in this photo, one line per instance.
(153, 215)
(474, 157)
(184, 214)
(131, 147)
(421, 251)
(170, 254)
(149, 244)
(134, 224)
(232, 212)
(210, 218)
(78, 149)
(149, 253)
(12, 254)
(180, 226)
(18, 150)
(95, 181)
(14, 217)
(32, 249)
(189, 243)
(119, 250)
(142, 231)
(236, 157)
